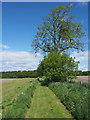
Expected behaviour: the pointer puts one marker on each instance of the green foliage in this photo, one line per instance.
(83, 73)
(19, 74)
(22, 103)
(74, 96)
(59, 31)
(32, 74)
(57, 67)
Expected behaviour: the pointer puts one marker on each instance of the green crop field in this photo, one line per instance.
(25, 98)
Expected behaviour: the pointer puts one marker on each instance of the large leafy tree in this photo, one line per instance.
(57, 67)
(59, 31)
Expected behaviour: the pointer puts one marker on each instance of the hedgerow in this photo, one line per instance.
(74, 96)
(19, 106)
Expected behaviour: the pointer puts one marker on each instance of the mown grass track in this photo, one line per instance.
(46, 105)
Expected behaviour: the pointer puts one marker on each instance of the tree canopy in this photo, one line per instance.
(59, 31)
(57, 67)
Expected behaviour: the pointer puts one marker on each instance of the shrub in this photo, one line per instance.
(57, 67)
(74, 96)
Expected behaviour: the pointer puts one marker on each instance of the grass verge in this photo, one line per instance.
(74, 96)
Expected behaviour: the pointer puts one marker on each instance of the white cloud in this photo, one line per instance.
(81, 56)
(4, 46)
(83, 68)
(19, 60)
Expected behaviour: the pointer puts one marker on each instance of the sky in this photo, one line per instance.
(19, 26)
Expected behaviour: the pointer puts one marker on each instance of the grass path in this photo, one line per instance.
(46, 105)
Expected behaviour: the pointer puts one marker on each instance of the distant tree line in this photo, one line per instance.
(32, 74)
(19, 74)
(83, 73)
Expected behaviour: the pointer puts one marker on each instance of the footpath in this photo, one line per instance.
(46, 105)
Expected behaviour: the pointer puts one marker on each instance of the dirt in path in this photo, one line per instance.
(46, 105)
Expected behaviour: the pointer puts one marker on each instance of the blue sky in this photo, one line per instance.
(19, 26)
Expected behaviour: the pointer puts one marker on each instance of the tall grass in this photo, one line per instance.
(74, 96)
(22, 103)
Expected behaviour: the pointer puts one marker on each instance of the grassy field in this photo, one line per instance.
(16, 97)
(25, 98)
(10, 90)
